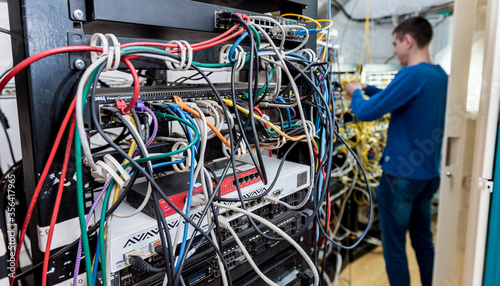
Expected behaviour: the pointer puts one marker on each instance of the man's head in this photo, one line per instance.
(411, 35)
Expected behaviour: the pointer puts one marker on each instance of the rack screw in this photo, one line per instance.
(79, 64)
(78, 14)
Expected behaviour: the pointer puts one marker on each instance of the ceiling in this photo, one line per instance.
(381, 8)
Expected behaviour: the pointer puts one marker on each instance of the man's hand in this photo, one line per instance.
(350, 87)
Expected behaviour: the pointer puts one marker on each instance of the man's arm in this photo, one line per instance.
(400, 91)
(371, 90)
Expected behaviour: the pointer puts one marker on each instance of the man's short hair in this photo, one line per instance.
(418, 28)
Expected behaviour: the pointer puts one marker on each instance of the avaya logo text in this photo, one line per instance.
(141, 237)
(194, 217)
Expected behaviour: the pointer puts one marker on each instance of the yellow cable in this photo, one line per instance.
(305, 17)
(366, 38)
(324, 20)
(130, 153)
(230, 103)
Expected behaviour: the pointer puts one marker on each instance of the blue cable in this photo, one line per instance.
(287, 111)
(162, 164)
(96, 263)
(233, 48)
(182, 250)
(303, 33)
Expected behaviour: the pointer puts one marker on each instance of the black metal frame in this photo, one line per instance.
(45, 89)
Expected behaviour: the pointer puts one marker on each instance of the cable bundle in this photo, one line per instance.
(246, 126)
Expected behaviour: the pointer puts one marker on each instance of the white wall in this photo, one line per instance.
(7, 102)
(351, 33)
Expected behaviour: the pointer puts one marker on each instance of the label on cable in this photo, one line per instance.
(64, 233)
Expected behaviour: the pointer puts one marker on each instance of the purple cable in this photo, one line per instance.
(294, 113)
(79, 253)
(155, 129)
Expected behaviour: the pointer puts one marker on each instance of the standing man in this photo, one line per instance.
(416, 99)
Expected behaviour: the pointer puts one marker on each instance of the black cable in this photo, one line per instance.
(3, 30)
(3, 120)
(145, 120)
(190, 78)
(117, 140)
(103, 84)
(148, 176)
(140, 264)
(160, 218)
(250, 95)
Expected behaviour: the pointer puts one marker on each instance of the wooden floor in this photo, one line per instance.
(370, 269)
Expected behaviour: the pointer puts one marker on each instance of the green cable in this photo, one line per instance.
(81, 206)
(274, 132)
(205, 65)
(261, 91)
(257, 37)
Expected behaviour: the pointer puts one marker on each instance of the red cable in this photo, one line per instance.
(58, 200)
(193, 45)
(137, 84)
(40, 183)
(261, 114)
(22, 65)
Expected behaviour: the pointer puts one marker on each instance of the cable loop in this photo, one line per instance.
(186, 60)
(181, 167)
(239, 153)
(308, 53)
(239, 56)
(104, 44)
(112, 52)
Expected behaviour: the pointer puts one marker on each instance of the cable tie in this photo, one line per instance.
(186, 60)
(264, 119)
(239, 153)
(104, 44)
(181, 167)
(110, 172)
(121, 105)
(110, 160)
(239, 56)
(114, 54)
(139, 106)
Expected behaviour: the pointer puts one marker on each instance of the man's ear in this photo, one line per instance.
(408, 41)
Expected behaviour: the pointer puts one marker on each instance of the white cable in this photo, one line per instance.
(239, 56)
(79, 113)
(302, 43)
(337, 270)
(279, 232)
(326, 278)
(240, 152)
(181, 167)
(108, 250)
(225, 224)
(149, 190)
(278, 27)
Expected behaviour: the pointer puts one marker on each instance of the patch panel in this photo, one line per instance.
(224, 21)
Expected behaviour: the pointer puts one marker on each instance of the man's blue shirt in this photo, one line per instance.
(416, 99)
